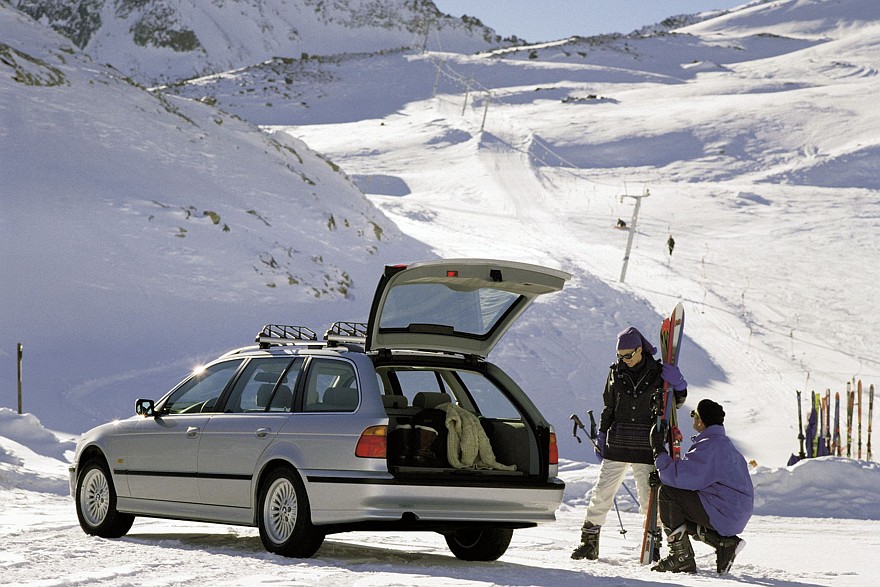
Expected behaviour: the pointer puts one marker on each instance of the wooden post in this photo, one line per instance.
(20, 349)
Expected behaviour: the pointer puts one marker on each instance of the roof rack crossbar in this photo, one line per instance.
(282, 334)
(346, 332)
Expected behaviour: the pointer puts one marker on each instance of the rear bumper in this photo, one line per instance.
(336, 500)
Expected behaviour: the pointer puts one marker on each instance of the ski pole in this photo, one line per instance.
(593, 434)
(576, 423)
(619, 519)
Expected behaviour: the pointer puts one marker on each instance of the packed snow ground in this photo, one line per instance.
(755, 135)
(817, 523)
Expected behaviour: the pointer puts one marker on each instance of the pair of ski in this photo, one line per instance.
(851, 403)
(666, 419)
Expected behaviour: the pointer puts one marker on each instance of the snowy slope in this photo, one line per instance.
(141, 232)
(758, 151)
(178, 39)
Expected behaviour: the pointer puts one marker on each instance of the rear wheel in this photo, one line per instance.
(96, 502)
(479, 544)
(284, 516)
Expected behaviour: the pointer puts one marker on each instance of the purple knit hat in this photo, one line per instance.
(631, 338)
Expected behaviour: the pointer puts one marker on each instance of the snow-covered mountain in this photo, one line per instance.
(135, 225)
(167, 40)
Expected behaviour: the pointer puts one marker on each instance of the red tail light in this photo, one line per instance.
(554, 450)
(372, 443)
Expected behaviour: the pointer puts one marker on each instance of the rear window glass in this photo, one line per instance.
(258, 388)
(463, 309)
(331, 386)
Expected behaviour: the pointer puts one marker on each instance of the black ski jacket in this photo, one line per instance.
(630, 396)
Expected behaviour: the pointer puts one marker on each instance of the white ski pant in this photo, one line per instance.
(611, 474)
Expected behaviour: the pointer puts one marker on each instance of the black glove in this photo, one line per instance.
(680, 397)
(654, 479)
(658, 439)
(600, 446)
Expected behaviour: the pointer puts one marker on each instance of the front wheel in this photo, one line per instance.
(479, 544)
(284, 516)
(96, 502)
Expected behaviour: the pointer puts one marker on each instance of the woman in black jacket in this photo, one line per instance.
(633, 391)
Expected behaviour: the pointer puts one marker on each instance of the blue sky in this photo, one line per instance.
(548, 20)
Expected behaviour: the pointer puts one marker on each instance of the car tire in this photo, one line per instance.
(479, 544)
(284, 516)
(96, 502)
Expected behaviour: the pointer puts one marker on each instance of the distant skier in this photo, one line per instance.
(634, 384)
(671, 244)
(707, 494)
(621, 223)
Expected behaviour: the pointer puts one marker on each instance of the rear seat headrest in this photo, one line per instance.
(427, 399)
(394, 401)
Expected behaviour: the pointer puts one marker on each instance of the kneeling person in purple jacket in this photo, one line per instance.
(708, 494)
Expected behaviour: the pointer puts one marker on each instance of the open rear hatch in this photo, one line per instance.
(459, 306)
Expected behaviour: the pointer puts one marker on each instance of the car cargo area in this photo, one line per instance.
(470, 429)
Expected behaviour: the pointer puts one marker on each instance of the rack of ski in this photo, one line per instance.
(826, 435)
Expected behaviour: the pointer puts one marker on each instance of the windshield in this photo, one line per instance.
(465, 310)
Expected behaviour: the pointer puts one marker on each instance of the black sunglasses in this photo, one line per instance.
(695, 413)
(628, 356)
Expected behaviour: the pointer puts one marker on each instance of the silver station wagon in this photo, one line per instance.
(397, 423)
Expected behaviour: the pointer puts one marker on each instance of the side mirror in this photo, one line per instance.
(144, 407)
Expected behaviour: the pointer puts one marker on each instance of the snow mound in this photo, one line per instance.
(824, 487)
(32, 457)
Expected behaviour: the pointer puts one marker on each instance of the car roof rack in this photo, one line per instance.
(279, 334)
(346, 333)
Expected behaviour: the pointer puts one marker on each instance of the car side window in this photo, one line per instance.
(202, 390)
(258, 388)
(488, 399)
(331, 387)
(419, 380)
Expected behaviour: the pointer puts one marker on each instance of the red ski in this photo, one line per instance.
(670, 342)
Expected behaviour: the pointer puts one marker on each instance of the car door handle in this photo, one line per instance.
(192, 431)
(263, 432)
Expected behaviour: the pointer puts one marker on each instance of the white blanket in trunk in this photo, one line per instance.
(467, 446)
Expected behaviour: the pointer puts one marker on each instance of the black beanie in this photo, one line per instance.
(710, 412)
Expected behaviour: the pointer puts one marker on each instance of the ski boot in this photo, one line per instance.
(726, 547)
(681, 554)
(589, 546)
